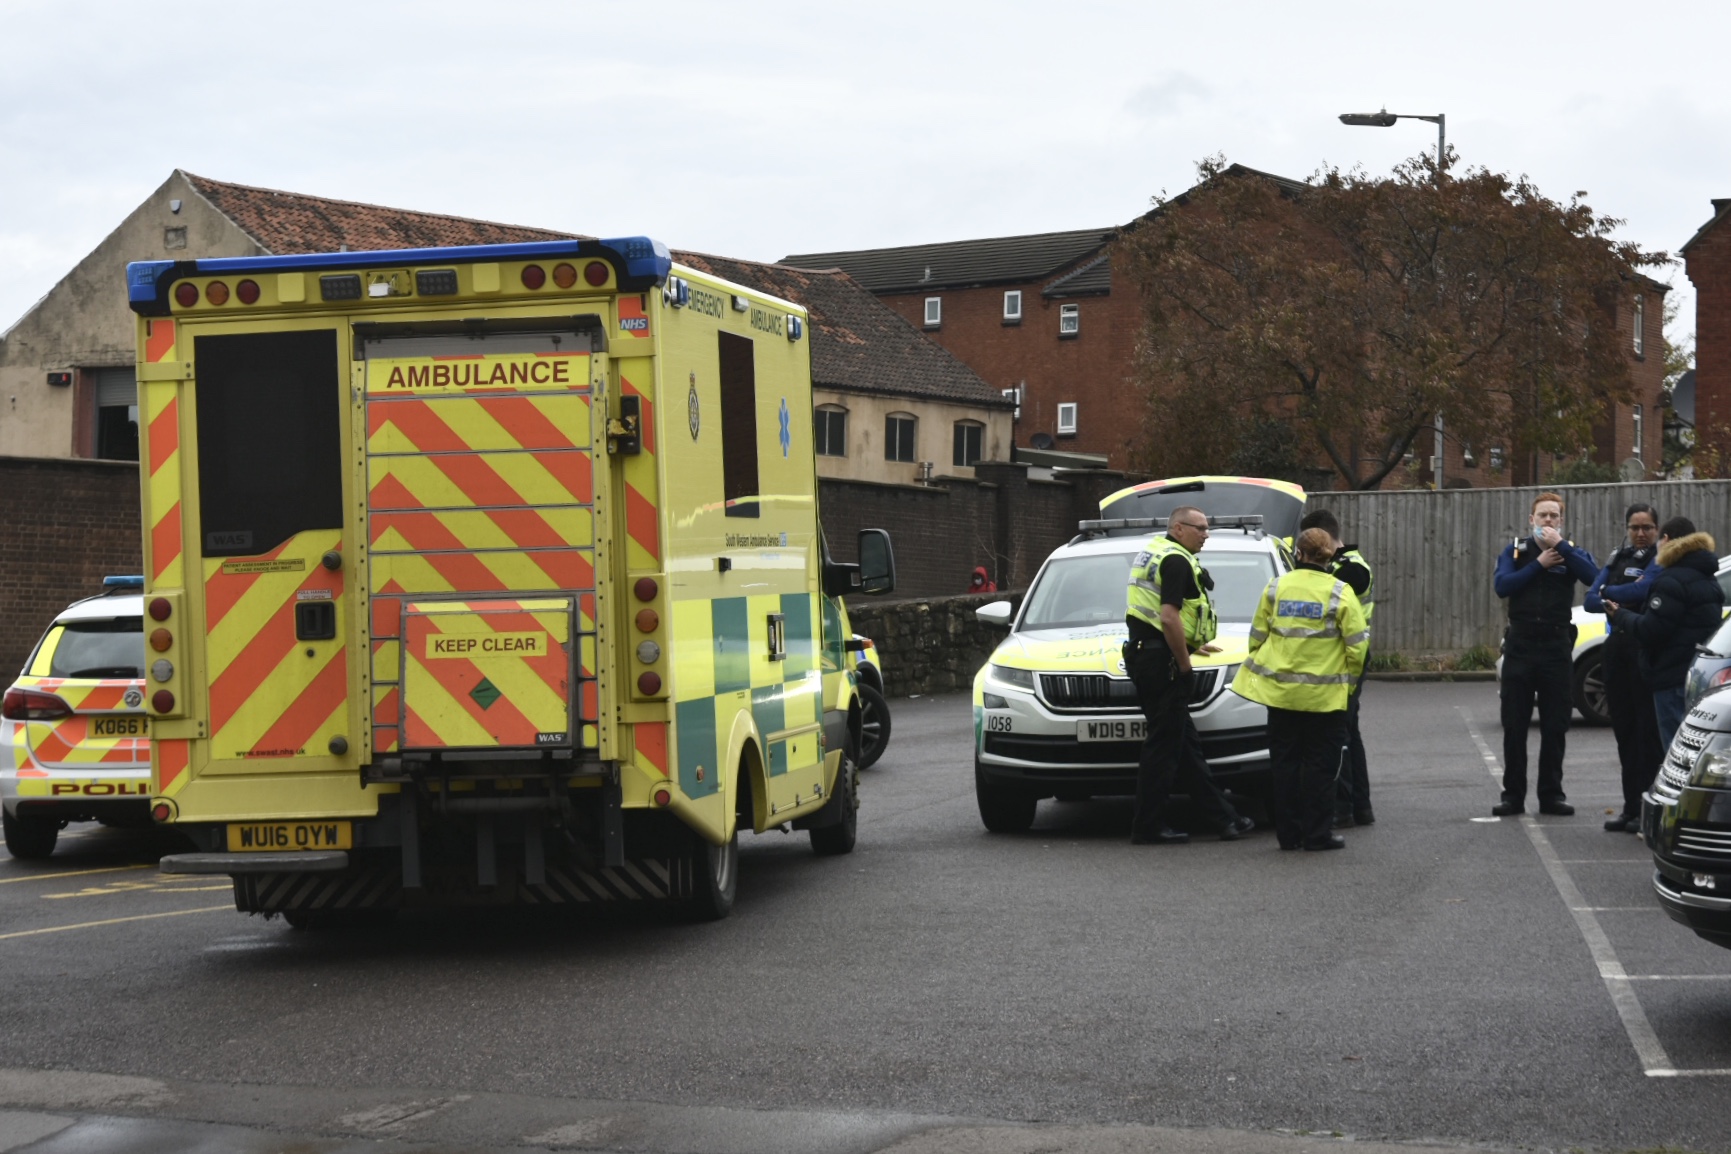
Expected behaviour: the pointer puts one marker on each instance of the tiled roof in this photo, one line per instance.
(858, 343)
(995, 260)
(1091, 278)
(291, 222)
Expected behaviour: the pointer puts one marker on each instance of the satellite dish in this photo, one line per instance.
(1633, 469)
(1041, 441)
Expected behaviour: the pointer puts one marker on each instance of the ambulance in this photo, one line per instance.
(486, 575)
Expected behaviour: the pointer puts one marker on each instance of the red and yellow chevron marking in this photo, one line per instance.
(267, 697)
(642, 518)
(487, 674)
(172, 758)
(67, 742)
(159, 340)
(532, 477)
(651, 743)
(634, 320)
(477, 424)
(161, 401)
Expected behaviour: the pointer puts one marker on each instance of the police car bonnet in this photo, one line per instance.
(1278, 503)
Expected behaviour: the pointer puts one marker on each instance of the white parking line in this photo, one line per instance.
(1655, 1062)
(1603, 860)
(1676, 978)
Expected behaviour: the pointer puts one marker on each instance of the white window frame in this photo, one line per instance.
(1012, 306)
(1067, 418)
(913, 456)
(934, 312)
(833, 411)
(1640, 428)
(1069, 320)
(1640, 325)
(980, 429)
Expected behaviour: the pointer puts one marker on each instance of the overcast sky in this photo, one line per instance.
(757, 130)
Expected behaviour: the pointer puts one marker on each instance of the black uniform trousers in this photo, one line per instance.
(1309, 752)
(1352, 794)
(1172, 750)
(1536, 667)
(1629, 699)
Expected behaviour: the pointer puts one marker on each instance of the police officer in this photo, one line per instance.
(1352, 795)
(1170, 620)
(1536, 576)
(1308, 642)
(1628, 697)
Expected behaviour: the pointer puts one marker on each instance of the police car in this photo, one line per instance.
(1686, 822)
(74, 737)
(1055, 714)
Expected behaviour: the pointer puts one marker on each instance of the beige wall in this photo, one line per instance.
(933, 437)
(84, 321)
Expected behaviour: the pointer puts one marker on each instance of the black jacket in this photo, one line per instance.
(1685, 609)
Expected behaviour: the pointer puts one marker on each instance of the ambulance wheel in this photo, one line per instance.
(841, 811)
(714, 879)
(30, 838)
(874, 726)
(1004, 809)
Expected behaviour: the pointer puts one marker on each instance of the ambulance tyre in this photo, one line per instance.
(874, 726)
(30, 838)
(841, 811)
(1003, 809)
(714, 879)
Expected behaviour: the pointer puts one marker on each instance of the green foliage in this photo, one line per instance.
(1478, 657)
(1583, 470)
(1388, 662)
(1353, 310)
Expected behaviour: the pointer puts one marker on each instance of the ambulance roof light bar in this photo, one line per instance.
(642, 261)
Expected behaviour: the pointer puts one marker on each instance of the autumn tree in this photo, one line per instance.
(1361, 308)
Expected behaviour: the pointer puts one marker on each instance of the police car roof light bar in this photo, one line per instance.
(130, 582)
(1120, 525)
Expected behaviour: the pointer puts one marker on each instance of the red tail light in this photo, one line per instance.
(1721, 677)
(595, 273)
(534, 276)
(247, 291)
(33, 705)
(186, 293)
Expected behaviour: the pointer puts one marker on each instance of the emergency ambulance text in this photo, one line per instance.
(480, 375)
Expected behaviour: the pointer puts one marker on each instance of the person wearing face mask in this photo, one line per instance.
(1628, 697)
(1536, 576)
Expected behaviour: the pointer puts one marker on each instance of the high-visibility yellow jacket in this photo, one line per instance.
(1197, 613)
(1307, 644)
(1367, 601)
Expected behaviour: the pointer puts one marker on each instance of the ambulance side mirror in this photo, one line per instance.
(877, 562)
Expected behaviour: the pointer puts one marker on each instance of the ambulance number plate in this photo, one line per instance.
(277, 836)
(1112, 729)
(120, 725)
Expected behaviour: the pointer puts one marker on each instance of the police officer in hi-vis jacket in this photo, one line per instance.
(1308, 641)
(1171, 619)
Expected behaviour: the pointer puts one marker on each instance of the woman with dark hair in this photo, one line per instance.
(1628, 697)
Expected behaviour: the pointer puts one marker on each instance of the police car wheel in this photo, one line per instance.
(1003, 809)
(30, 838)
(1589, 688)
(714, 879)
(837, 837)
(874, 726)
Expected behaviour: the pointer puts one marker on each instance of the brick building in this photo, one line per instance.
(1707, 261)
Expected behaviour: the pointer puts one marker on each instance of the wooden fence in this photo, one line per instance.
(1434, 552)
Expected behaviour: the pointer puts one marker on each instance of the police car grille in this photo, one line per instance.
(1680, 759)
(1704, 841)
(1084, 691)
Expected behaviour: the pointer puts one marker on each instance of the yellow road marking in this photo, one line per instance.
(160, 885)
(74, 874)
(112, 922)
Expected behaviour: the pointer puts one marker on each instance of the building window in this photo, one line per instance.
(968, 435)
(899, 437)
(831, 431)
(1067, 419)
(1013, 307)
(934, 312)
(1069, 320)
(1496, 455)
(116, 414)
(1640, 325)
(1640, 422)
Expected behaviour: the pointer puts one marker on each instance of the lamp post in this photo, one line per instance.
(1386, 119)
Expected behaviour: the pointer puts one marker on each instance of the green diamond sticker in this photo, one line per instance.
(485, 694)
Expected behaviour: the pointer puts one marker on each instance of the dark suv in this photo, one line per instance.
(1686, 822)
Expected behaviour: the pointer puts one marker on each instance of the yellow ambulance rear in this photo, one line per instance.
(486, 575)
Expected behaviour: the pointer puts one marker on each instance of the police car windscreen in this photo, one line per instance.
(112, 648)
(1074, 592)
(1720, 643)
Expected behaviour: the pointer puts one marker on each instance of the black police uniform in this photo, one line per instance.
(1352, 790)
(1172, 748)
(1628, 696)
(1537, 664)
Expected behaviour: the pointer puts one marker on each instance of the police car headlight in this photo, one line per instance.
(1712, 768)
(1020, 678)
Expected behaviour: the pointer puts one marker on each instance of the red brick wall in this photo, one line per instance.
(1095, 369)
(1708, 264)
(68, 524)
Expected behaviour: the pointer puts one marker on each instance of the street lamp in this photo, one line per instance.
(1386, 119)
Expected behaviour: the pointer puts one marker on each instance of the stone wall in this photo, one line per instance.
(929, 646)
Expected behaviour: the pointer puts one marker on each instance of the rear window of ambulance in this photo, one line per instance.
(113, 647)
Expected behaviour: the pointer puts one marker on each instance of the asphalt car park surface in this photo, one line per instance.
(1446, 978)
